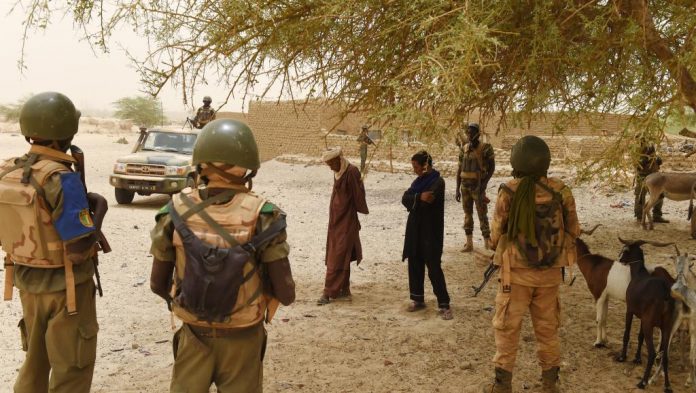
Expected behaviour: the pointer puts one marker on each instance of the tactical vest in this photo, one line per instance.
(472, 166)
(238, 217)
(554, 245)
(27, 232)
(205, 115)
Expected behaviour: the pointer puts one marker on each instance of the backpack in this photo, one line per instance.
(549, 227)
(213, 275)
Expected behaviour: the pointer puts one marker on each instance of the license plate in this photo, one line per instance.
(141, 187)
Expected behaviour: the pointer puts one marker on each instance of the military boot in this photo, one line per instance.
(549, 381)
(469, 245)
(501, 384)
(660, 220)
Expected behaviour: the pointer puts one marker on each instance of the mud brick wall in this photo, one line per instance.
(284, 128)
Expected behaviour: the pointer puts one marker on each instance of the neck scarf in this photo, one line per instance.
(344, 166)
(523, 210)
(423, 182)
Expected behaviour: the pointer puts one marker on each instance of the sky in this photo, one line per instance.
(58, 60)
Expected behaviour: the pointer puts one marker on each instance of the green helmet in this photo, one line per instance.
(530, 156)
(49, 115)
(228, 141)
(207, 99)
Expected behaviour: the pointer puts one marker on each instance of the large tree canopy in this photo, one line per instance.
(427, 64)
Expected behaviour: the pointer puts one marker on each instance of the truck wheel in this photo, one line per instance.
(124, 197)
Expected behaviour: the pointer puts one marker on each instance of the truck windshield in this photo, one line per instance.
(170, 142)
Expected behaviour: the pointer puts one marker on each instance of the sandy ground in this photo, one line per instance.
(370, 344)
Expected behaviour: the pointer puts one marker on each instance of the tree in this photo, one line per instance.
(144, 111)
(427, 63)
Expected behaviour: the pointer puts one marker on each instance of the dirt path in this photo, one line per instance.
(370, 344)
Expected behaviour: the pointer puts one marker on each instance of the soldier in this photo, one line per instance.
(227, 249)
(364, 141)
(534, 229)
(49, 235)
(648, 162)
(205, 114)
(476, 166)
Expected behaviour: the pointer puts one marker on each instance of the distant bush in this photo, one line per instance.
(11, 111)
(143, 111)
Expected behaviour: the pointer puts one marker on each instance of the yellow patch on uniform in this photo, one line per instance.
(86, 218)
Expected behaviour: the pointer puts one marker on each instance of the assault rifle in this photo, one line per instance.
(492, 268)
(102, 243)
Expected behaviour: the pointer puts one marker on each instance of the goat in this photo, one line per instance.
(683, 291)
(675, 186)
(648, 298)
(606, 280)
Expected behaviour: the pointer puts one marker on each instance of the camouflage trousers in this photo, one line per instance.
(57, 344)
(363, 157)
(640, 193)
(544, 306)
(471, 197)
(234, 363)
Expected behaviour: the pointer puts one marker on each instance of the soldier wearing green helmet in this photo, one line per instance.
(205, 114)
(220, 260)
(49, 236)
(476, 167)
(533, 234)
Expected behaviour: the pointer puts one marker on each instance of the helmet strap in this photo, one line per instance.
(250, 178)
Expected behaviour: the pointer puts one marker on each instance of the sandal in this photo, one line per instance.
(323, 300)
(446, 314)
(415, 306)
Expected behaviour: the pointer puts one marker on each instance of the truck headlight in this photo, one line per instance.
(119, 168)
(175, 170)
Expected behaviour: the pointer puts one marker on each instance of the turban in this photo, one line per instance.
(331, 154)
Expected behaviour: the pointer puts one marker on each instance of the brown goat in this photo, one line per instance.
(648, 298)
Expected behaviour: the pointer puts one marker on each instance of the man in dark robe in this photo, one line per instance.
(343, 237)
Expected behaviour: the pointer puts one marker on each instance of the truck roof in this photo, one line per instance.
(174, 130)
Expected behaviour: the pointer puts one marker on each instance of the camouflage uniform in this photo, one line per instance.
(648, 163)
(222, 293)
(232, 361)
(204, 115)
(475, 169)
(58, 343)
(364, 141)
(525, 288)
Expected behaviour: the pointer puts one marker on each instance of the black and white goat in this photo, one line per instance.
(648, 298)
(606, 280)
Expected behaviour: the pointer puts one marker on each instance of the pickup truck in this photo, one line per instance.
(160, 163)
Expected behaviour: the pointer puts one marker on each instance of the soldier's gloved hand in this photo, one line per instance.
(98, 205)
(458, 195)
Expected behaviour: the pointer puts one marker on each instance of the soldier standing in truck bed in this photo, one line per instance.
(205, 114)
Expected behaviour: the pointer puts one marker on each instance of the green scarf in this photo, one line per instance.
(523, 210)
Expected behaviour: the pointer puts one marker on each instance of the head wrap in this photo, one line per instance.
(331, 154)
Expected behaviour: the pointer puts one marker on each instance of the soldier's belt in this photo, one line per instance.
(469, 175)
(202, 331)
